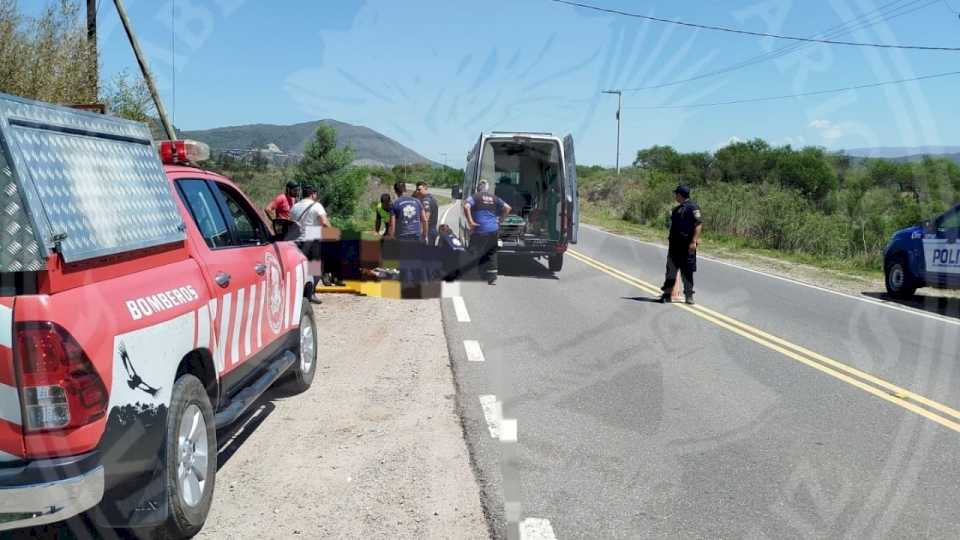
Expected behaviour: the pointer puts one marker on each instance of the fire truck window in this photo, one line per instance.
(244, 219)
(203, 208)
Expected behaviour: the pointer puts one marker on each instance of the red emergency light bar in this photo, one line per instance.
(183, 152)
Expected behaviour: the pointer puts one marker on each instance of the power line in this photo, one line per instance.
(833, 31)
(757, 34)
(804, 94)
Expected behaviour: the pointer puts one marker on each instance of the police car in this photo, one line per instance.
(144, 305)
(926, 255)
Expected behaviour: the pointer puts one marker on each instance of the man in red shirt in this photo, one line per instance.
(279, 207)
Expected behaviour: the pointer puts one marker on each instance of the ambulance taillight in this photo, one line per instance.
(59, 387)
(183, 152)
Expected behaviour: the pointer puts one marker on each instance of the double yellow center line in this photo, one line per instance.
(932, 410)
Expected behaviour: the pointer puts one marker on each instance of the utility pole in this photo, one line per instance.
(619, 94)
(147, 77)
(92, 42)
(444, 154)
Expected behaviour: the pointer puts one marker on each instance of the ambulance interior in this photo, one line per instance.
(527, 176)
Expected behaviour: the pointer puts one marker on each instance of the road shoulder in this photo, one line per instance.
(374, 449)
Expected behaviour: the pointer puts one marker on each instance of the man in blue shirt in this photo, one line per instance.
(408, 220)
(483, 212)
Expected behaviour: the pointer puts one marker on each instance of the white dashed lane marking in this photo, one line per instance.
(536, 529)
(508, 430)
(492, 411)
(474, 354)
(450, 289)
(461, 308)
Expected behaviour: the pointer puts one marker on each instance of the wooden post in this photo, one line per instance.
(147, 77)
(92, 41)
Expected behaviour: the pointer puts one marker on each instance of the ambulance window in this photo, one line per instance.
(205, 212)
(246, 224)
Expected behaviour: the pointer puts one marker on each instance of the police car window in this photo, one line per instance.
(244, 220)
(198, 198)
(951, 221)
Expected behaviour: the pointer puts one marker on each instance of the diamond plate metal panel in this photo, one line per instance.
(93, 185)
(19, 251)
(44, 114)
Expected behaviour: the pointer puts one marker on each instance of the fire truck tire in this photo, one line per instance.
(191, 459)
(301, 374)
(555, 262)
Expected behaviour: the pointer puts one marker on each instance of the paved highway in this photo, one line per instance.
(771, 409)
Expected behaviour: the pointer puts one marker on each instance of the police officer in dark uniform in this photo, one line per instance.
(686, 223)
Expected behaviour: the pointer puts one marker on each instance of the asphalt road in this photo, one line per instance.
(770, 410)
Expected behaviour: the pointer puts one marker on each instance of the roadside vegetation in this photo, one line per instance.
(48, 58)
(806, 205)
(348, 192)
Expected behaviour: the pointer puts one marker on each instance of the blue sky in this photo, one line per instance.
(433, 74)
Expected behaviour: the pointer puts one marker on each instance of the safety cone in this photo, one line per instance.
(677, 294)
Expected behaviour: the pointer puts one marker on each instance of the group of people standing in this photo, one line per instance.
(415, 218)
(408, 218)
(302, 221)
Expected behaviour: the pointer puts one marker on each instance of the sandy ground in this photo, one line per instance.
(373, 450)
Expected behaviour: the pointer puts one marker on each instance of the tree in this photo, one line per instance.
(806, 171)
(48, 57)
(744, 161)
(323, 165)
(659, 158)
(127, 96)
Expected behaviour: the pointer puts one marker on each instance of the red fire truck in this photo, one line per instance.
(144, 304)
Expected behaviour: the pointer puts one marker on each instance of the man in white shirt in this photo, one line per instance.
(310, 217)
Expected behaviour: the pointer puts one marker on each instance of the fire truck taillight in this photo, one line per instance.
(183, 152)
(59, 387)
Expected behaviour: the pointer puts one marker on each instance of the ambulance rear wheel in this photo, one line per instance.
(555, 262)
(191, 459)
(899, 281)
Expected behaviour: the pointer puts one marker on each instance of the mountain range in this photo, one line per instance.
(370, 147)
(907, 153)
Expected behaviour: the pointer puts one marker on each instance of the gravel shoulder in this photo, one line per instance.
(374, 449)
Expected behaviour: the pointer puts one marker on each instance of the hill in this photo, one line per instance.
(913, 158)
(369, 145)
(898, 152)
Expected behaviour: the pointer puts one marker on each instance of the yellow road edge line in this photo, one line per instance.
(900, 392)
(782, 346)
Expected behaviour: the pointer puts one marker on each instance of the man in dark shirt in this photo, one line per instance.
(408, 220)
(686, 223)
(432, 209)
(483, 212)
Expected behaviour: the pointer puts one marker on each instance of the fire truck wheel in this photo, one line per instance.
(301, 373)
(191, 459)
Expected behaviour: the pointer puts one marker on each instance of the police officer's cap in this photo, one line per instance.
(683, 190)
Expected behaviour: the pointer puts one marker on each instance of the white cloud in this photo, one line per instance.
(797, 141)
(728, 142)
(828, 130)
